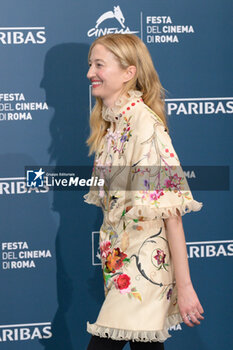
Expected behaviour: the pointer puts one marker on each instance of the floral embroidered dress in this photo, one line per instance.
(144, 183)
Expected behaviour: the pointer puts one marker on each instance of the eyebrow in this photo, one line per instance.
(97, 60)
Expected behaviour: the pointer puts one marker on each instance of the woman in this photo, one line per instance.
(142, 244)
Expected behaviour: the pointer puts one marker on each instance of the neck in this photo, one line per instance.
(110, 102)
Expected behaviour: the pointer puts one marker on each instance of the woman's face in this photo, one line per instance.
(106, 75)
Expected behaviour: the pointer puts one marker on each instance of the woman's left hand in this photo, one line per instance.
(189, 305)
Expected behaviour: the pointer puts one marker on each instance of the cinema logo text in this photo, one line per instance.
(208, 106)
(24, 332)
(14, 107)
(117, 15)
(22, 35)
(177, 327)
(17, 255)
(162, 30)
(17, 186)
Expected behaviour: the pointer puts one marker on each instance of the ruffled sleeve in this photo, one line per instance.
(92, 197)
(159, 188)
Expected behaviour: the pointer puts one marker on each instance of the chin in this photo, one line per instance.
(95, 93)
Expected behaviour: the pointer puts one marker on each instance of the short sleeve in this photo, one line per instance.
(159, 188)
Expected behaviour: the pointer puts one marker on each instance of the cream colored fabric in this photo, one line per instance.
(144, 183)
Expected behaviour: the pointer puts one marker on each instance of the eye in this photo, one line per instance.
(99, 65)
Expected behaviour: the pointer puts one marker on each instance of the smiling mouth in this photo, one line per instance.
(96, 83)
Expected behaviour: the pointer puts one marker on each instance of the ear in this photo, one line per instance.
(130, 73)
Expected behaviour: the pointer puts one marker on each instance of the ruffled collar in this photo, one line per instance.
(112, 114)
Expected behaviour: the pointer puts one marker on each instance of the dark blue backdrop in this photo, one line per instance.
(51, 282)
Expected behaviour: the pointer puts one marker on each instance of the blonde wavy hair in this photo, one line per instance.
(129, 51)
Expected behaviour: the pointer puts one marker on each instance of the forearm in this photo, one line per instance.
(177, 244)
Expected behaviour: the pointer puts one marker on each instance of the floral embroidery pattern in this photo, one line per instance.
(119, 137)
(112, 138)
(160, 258)
(105, 248)
(166, 176)
(113, 260)
(122, 282)
(173, 181)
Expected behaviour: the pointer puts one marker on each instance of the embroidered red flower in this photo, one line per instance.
(122, 282)
(173, 181)
(114, 260)
(168, 183)
(176, 180)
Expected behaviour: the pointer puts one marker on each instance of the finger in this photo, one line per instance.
(199, 316)
(200, 309)
(194, 318)
(187, 321)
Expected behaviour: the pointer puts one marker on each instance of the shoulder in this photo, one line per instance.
(146, 122)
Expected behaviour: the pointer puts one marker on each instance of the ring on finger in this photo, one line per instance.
(187, 316)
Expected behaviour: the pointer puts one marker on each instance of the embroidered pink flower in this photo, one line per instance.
(160, 257)
(154, 196)
(122, 282)
(105, 248)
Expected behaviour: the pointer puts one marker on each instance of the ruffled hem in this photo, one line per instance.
(92, 198)
(151, 213)
(139, 335)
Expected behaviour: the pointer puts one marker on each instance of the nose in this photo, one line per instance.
(90, 72)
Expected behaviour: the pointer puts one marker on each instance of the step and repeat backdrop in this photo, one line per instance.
(51, 279)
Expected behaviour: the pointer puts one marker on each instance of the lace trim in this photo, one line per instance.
(151, 213)
(109, 113)
(142, 336)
